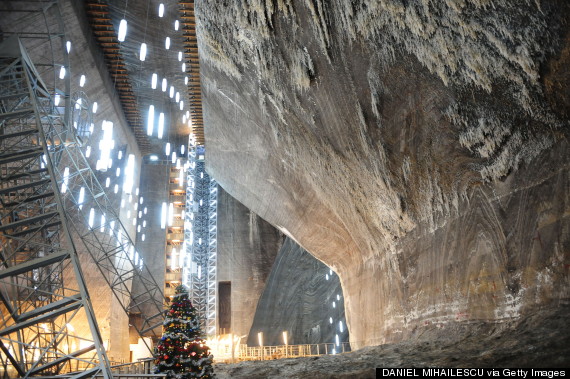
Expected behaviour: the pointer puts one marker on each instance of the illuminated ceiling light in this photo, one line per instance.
(138, 229)
(108, 182)
(170, 214)
(136, 206)
(129, 174)
(78, 104)
(334, 304)
(87, 151)
(91, 217)
(340, 326)
(118, 172)
(160, 125)
(81, 197)
(171, 93)
(183, 119)
(330, 320)
(65, 180)
(150, 121)
(134, 221)
(161, 10)
(122, 30)
(163, 216)
(184, 67)
(167, 43)
(182, 105)
(187, 114)
(56, 99)
(120, 156)
(164, 85)
(68, 46)
(182, 149)
(95, 106)
(116, 189)
(178, 163)
(111, 227)
(128, 214)
(154, 80)
(177, 97)
(142, 55)
(82, 81)
(143, 237)
(185, 80)
(144, 224)
(136, 193)
(173, 157)
(167, 148)
(102, 223)
(145, 210)
(327, 276)
(153, 158)
(91, 128)
(336, 340)
(140, 214)
(105, 146)
(122, 203)
(62, 73)
(141, 200)
(176, 25)
(180, 56)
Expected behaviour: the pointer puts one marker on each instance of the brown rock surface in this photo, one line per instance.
(418, 148)
(540, 340)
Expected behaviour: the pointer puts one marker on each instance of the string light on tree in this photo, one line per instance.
(182, 352)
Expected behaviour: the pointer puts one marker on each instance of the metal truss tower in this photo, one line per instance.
(42, 289)
(200, 240)
(52, 205)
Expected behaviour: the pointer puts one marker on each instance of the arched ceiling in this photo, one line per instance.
(132, 77)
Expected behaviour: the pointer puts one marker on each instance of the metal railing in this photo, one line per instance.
(247, 353)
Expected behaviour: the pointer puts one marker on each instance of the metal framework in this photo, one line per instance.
(42, 289)
(52, 205)
(200, 240)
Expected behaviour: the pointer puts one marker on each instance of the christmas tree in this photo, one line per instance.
(181, 352)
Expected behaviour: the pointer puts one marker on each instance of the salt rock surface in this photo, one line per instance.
(418, 148)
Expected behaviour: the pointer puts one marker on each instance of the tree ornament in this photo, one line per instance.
(181, 352)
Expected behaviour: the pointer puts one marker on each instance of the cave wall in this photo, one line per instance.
(418, 148)
(247, 247)
(303, 297)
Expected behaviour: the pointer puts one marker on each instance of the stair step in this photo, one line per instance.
(29, 199)
(21, 155)
(33, 264)
(33, 230)
(18, 134)
(24, 174)
(37, 183)
(28, 221)
(14, 114)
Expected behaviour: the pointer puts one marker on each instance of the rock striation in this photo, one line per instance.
(298, 298)
(419, 148)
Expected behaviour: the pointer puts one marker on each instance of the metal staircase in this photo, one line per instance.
(48, 192)
(41, 284)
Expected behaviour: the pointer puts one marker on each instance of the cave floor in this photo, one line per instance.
(540, 340)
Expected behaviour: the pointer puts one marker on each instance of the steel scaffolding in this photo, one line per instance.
(42, 289)
(200, 240)
(52, 205)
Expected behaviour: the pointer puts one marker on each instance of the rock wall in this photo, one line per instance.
(247, 246)
(418, 148)
(298, 298)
